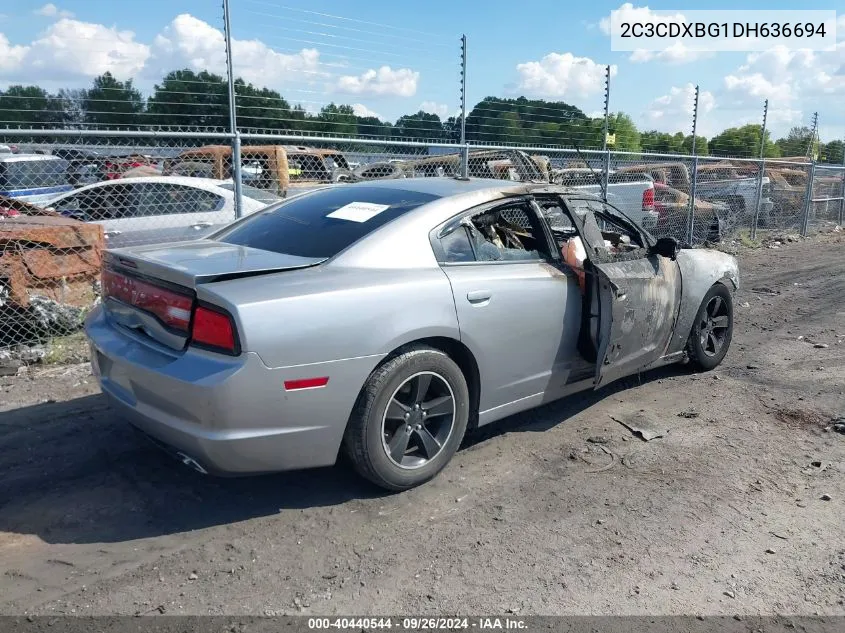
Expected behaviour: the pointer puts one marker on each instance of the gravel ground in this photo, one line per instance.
(738, 508)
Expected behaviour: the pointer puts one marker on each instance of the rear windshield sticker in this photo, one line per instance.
(358, 211)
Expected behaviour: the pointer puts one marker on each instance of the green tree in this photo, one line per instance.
(112, 103)
(72, 102)
(186, 98)
(30, 106)
(338, 120)
(832, 152)
(422, 125)
(371, 126)
(742, 142)
(796, 142)
(263, 109)
(662, 142)
(622, 126)
(535, 118)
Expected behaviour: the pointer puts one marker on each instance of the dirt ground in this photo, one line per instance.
(738, 509)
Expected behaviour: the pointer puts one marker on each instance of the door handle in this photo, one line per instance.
(479, 296)
(201, 225)
(111, 233)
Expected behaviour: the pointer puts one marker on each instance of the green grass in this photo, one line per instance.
(66, 350)
(745, 240)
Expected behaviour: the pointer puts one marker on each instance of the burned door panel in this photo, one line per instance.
(641, 298)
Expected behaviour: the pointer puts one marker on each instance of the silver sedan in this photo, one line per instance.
(385, 319)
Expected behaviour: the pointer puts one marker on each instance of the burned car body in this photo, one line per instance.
(462, 301)
(43, 252)
(49, 266)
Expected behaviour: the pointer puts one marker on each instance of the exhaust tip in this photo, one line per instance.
(190, 462)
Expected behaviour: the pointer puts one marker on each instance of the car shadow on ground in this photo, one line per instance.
(75, 474)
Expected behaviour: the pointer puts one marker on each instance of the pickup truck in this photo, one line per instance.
(715, 183)
(633, 194)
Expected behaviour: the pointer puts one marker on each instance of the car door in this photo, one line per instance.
(518, 310)
(639, 291)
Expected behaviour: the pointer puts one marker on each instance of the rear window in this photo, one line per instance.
(322, 224)
(32, 174)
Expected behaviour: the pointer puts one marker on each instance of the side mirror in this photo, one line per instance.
(666, 247)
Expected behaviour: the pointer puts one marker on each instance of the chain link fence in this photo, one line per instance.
(68, 196)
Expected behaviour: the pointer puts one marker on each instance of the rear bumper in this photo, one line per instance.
(229, 416)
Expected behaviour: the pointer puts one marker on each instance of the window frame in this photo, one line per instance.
(462, 219)
(617, 217)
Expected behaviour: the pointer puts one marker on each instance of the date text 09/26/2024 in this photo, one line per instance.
(419, 623)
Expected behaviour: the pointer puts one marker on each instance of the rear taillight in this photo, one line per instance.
(214, 330)
(209, 328)
(172, 308)
(648, 200)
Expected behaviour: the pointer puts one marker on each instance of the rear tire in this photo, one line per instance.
(712, 330)
(395, 443)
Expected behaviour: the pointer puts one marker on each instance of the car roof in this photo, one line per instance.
(199, 183)
(443, 186)
(21, 158)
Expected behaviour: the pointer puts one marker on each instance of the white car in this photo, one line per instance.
(158, 209)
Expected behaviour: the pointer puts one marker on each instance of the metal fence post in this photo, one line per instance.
(465, 147)
(691, 221)
(808, 200)
(606, 166)
(761, 174)
(840, 220)
(233, 116)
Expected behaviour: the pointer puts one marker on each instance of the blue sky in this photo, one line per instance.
(339, 52)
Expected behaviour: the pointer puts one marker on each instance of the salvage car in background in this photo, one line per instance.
(386, 318)
(673, 208)
(280, 169)
(44, 259)
(715, 183)
(32, 178)
(146, 210)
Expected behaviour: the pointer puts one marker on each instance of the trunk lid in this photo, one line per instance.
(151, 290)
(188, 264)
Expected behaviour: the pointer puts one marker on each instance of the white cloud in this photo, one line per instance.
(673, 111)
(10, 56)
(50, 10)
(674, 54)
(190, 42)
(363, 111)
(562, 75)
(401, 82)
(757, 87)
(440, 109)
(65, 50)
(788, 78)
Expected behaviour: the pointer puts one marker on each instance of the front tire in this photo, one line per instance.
(409, 419)
(712, 330)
